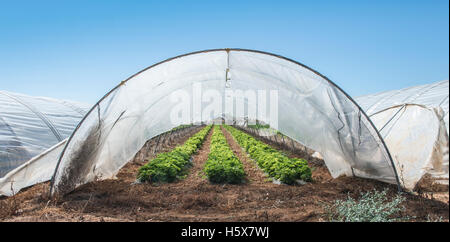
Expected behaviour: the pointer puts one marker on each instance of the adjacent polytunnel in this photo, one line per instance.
(429, 95)
(414, 125)
(298, 101)
(29, 128)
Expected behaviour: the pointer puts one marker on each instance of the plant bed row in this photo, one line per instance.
(172, 165)
(222, 165)
(274, 163)
(182, 126)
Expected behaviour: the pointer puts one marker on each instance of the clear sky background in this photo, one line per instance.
(79, 50)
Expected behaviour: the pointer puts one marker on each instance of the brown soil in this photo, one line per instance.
(254, 174)
(195, 199)
(195, 176)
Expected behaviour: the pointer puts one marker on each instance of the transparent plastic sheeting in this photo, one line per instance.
(31, 125)
(39, 169)
(414, 125)
(312, 110)
(429, 95)
(417, 140)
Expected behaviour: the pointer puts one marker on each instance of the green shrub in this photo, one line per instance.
(273, 162)
(170, 166)
(371, 207)
(222, 165)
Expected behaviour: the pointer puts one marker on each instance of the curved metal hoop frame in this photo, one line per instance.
(227, 50)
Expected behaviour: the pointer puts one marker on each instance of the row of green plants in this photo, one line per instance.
(274, 163)
(172, 165)
(222, 165)
(259, 125)
(182, 126)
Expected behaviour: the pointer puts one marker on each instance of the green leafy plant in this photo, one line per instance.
(170, 166)
(182, 126)
(274, 163)
(371, 207)
(259, 125)
(222, 165)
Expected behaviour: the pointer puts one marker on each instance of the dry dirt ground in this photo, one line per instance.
(195, 199)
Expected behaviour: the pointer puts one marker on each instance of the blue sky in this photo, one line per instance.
(79, 50)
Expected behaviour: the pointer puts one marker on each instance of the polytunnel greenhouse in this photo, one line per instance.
(225, 135)
(414, 125)
(33, 131)
(397, 137)
(307, 108)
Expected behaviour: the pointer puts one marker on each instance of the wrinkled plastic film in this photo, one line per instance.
(312, 111)
(31, 125)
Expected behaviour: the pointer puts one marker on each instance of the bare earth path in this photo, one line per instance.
(198, 162)
(254, 174)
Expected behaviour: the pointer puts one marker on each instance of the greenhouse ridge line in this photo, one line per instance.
(425, 91)
(228, 50)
